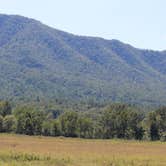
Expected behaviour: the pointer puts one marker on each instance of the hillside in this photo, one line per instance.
(38, 62)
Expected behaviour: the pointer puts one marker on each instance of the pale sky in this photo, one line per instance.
(141, 23)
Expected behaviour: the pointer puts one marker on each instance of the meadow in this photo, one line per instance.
(18, 150)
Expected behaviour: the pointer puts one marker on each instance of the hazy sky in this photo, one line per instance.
(141, 23)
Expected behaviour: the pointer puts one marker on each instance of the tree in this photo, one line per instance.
(29, 121)
(46, 128)
(153, 130)
(121, 121)
(156, 124)
(85, 127)
(5, 108)
(161, 119)
(1, 123)
(134, 125)
(55, 130)
(9, 123)
(68, 123)
(53, 113)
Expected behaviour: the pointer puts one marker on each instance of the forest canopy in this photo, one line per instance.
(114, 121)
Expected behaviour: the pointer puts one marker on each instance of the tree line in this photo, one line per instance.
(116, 121)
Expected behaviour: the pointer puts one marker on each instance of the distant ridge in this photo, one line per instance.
(39, 62)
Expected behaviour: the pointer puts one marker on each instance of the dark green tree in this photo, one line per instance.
(68, 123)
(46, 128)
(55, 130)
(121, 121)
(85, 127)
(9, 123)
(153, 126)
(5, 108)
(156, 123)
(29, 121)
(1, 123)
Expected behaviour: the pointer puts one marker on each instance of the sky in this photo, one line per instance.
(141, 23)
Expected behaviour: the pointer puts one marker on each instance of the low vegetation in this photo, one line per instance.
(18, 150)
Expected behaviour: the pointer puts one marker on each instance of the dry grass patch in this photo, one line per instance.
(46, 151)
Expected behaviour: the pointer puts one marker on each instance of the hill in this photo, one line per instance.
(41, 63)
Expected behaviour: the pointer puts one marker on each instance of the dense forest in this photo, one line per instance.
(38, 62)
(107, 122)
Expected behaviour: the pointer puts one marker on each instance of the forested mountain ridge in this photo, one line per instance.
(39, 62)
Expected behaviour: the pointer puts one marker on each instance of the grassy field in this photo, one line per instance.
(16, 150)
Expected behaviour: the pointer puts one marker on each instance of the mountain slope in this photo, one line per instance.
(37, 61)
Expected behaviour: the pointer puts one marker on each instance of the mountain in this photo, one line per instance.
(39, 62)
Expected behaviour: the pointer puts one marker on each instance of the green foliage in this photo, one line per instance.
(152, 126)
(113, 121)
(85, 127)
(9, 123)
(29, 121)
(1, 123)
(55, 128)
(156, 123)
(120, 121)
(5, 108)
(40, 63)
(68, 124)
(46, 128)
(53, 113)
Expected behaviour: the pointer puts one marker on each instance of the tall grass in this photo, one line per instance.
(44, 151)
